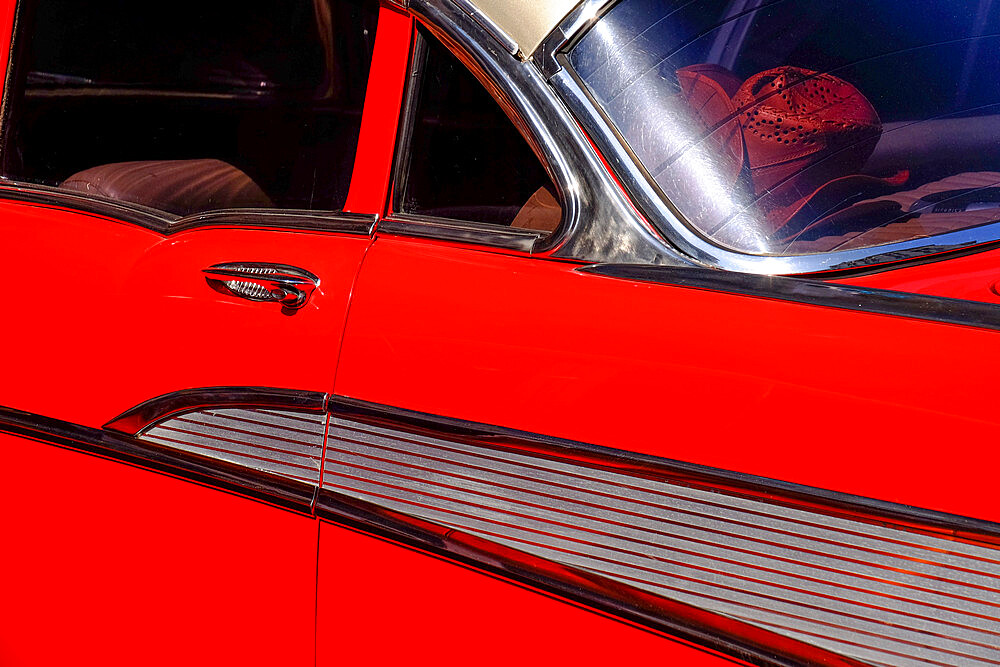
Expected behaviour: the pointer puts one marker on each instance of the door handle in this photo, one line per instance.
(259, 281)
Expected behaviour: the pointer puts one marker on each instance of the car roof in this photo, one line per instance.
(527, 22)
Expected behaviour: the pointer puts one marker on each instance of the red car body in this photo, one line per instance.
(116, 556)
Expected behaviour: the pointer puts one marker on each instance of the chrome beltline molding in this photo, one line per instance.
(164, 223)
(405, 224)
(410, 477)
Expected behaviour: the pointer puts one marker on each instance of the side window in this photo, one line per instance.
(189, 106)
(465, 160)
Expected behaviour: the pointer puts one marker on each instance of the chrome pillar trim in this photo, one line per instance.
(655, 205)
(576, 23)
(812, 292)
(140, 418)
(862, 586)
(505, 40)
(599, 224)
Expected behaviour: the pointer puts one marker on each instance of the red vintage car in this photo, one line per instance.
(492, 332)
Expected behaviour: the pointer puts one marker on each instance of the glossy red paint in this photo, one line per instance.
(121, 560)
(414, 609)
(107, 564)
(973, 277)
(383, 99)
(836, 399)
(117, 333)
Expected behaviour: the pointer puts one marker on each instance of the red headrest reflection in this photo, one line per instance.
(802, 129)
(795, 129)
(708, 90)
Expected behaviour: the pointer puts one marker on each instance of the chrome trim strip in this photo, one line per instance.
(140, 418)
(280, 441)
(43, 195)
(505, 40)
(812, 292)
(498, 437)
(575, 24)
(361, 224)
(166, 223)
(655, 205)
(406, 224)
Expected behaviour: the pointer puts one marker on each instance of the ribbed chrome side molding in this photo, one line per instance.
(781, 573)
(270, 431)
(880, 594)
(273, 441)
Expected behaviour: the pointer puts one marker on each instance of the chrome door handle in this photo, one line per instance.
(259, 281)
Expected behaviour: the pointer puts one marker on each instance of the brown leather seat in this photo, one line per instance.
(541, 212)
(181, 187)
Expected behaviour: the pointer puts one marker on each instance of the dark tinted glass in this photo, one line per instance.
(230, 102)
(466, 159)
(805, 126)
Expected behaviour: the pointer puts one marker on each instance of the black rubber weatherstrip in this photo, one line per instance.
(812, 292)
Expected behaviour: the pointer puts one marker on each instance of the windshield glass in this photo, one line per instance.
(804, 126)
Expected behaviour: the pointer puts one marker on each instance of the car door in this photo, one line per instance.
(475, 363)
(132, 313)
(178, 175)
(153, 189)
(474, 177)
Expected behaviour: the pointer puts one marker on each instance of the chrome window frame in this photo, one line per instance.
(551, 58)
(581, 182)
(401, 223)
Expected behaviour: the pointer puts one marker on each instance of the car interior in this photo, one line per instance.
(467, 160)
(253, 104)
